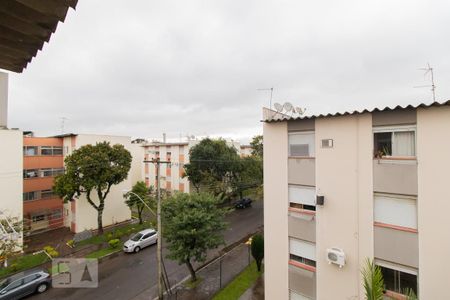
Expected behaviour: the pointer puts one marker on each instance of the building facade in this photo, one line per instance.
(43, 159)
(171, 175)
(353, 186)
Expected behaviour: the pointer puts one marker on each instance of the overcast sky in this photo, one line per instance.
(145, 67)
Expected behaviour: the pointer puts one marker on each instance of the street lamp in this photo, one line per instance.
(125, 192)
(159, 230)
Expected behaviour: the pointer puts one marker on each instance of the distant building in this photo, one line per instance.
(43, 159)
(172, 176)
(343, 187)
(246, 150)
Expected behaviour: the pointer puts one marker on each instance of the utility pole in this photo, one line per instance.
(157, 164)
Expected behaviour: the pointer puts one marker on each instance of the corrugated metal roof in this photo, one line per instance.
(270, 115)
(25, 25)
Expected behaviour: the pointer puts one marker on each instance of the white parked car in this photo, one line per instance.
(141, 240)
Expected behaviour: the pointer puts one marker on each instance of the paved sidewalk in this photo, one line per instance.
(256, 292)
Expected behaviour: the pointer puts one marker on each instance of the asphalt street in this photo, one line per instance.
(128, 275)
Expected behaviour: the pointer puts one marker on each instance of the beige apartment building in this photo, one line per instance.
(343, 187)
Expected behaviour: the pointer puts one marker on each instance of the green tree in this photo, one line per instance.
(211, 160)
(93, 170)
(257, 146)
(372, 281)
(192, 224)
(257, 248)
(146, 194)
(249, 175)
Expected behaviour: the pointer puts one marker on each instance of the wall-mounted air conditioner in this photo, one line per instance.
(336, 256)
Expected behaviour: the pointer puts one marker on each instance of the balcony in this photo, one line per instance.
(302, 281)
(395, 176)
(396, 245)
(302, 227)
(302, 171)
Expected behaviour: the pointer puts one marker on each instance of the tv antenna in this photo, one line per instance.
(427, 70)
(63, 121)
(271, 95)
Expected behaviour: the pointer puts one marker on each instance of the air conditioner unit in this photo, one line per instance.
(336, 256)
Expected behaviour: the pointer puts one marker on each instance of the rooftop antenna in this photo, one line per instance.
(427, 70)
(271, 95)
(63, 120)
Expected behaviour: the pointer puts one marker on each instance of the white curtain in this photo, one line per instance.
(403, 144)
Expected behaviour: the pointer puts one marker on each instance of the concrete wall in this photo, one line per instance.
(11, 174)
(3, 99)
(137, 165)
(276, 246)
(302, 282)
(433, 154)
(304, 229)
(85, 216)
(395, 177)
(344, 177)
(397, 246)
(302, 171)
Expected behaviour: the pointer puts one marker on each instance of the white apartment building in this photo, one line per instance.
(171, 175)
(10, 160)
(355, 185)
(79, 215)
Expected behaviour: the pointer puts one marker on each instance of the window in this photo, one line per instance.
(398, 281)
(30, 196)
(56, 214)
(301, 144)
(395, 210)
(302, 251)
(51, 150)
(46, 194)
(38, 218)
(30, 173)
(395, 142)
(31, 278)
(58, 171)
(302, 197)
(30, 150)
(57, 150)
(14, 285)
(46, 172)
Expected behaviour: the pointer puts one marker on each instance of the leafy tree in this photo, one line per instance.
(192, 224)
(372, 281)
(10, 231)
(257, 247)
(257, 146)
(93, 170)
(249, 175)
(146, 194)
(211, 160)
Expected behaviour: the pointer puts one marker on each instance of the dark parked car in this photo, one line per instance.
(243, 203)
(24, 284)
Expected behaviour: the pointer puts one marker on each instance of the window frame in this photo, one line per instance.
(392, 130)
(399, 269)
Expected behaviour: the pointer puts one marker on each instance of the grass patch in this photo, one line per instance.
(117, 232)
(22, 263)
(193, 284)
(240, 284)
(102, 252)
(60, 268)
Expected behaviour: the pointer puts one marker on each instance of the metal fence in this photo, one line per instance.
(215, 275)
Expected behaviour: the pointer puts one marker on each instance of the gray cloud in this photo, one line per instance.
(141, 68)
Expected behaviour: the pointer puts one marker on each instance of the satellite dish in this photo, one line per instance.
(300, 110)
(278, 107)
(288, 107)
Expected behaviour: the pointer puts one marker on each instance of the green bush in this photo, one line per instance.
(118, 234)
(257, 248)
(114, 243)
(51, 251)
(14, 267)
(71, 243)
(109, 236)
